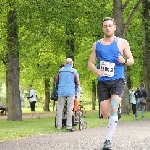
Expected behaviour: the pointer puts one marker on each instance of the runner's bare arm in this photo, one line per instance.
(127, 53)
(92, 61)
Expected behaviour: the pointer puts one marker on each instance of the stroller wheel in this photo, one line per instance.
(82, 125)
(85, 125)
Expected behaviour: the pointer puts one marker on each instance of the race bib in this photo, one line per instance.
(108, 68)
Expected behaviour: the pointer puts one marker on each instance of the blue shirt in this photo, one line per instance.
(68, 81)
(109, 53)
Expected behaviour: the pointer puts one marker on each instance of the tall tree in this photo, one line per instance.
(42, 37)
(93, 94)
(47, 94)
(69, 22)
(122, 26)
(146, 48)
(14, 102)
(69, 41)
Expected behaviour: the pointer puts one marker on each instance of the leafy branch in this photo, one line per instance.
(131, 16)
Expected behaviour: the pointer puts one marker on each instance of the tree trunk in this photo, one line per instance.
(6, 86)
(122, 27)
(47, 95)
(69, 41)
(14, 102)
(93, 94)
(118, 16)
(146, 50)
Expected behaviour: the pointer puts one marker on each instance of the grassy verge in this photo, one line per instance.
(11, 130)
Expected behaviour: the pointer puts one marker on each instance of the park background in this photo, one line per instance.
(36, 36)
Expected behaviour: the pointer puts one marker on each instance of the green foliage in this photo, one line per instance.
(134, 37)
(42, 37)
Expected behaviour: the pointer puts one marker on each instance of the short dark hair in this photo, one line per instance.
(30, 85)
(109, 18)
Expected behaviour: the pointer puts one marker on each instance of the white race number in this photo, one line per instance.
(108, 68)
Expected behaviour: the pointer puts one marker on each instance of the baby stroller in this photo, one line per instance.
(77, 116)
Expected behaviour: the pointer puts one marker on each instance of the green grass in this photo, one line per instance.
(11, 130)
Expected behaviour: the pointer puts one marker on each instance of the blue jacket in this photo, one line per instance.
(67, 81)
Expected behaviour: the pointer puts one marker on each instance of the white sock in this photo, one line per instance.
(112, 126)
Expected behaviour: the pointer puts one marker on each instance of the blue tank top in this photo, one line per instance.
(109, 53)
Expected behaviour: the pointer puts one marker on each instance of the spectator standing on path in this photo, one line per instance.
(109, 52)
(132, 99)
(32, 99)
(140, 93)
(67, 82)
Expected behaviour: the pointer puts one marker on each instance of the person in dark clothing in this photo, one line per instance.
(140, 94)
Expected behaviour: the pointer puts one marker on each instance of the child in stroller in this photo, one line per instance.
(77, 116)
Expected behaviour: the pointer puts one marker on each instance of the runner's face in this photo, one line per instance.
(108, 28)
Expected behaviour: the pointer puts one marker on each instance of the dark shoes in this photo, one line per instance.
(107, 145)
(70, 130)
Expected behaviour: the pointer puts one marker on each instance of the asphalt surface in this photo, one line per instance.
(128, 136)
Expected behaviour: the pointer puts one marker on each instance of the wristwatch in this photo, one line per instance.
(125, 61)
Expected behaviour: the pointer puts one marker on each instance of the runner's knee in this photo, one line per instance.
(105, 114)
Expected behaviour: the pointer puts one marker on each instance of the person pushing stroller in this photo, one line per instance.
(67, 83)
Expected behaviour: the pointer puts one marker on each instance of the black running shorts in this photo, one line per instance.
(32, 105)
(107, 88)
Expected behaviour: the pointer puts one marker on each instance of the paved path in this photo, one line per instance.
(129, 136)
